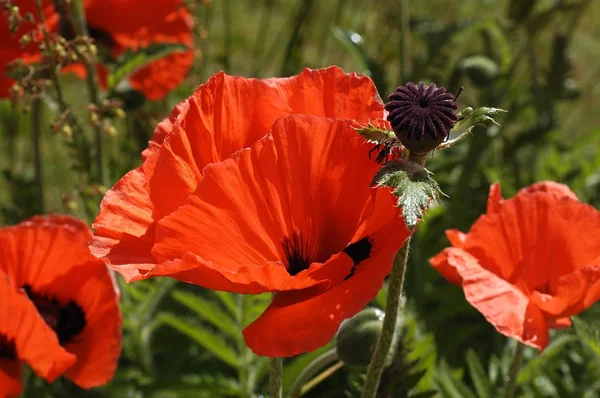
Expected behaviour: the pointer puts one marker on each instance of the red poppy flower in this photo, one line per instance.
(530, 263)
(165, 22)
(224, 115)
(293, 214)
(10, 46)
(47, 258)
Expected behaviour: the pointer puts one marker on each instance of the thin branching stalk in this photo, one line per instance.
(51, 57)
(36, 132)
(311, 370)
(276, 378)
(92, 85)
(513, 373)
(384, 343)
(405, 42)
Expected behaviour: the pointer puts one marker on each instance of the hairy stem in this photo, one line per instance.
(311, 370)
(515, 367)
(36, 131)
(384, 343)
(276, 378)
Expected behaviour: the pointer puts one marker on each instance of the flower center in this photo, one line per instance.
(66, 320)
(7, 348)
(297, 254)
(423, 103)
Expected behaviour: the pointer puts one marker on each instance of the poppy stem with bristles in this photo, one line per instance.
(276, 378)
(384, 343)
(513, 373)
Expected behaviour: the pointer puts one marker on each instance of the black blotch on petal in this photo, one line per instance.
(7, 348)
(358, 251)
(67, 320)
(297, 254)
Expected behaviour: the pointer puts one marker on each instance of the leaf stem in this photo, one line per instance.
(312, 369)
(384, 343)
(322, 376)
(513, 373)
(276, 378)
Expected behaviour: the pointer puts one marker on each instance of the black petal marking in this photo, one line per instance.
(7, 348)
(358, 251)
(67, 320)
(297, 254)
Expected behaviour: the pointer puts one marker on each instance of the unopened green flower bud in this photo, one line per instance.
(480, 69)
(67, 130)
(357, 337)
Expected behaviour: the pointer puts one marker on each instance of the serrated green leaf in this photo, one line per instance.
(208, 312)
(209, 341)
(469, 118)
(374, 133)
(415, 192)
(131, 61)
(588, 333)
(482, 384)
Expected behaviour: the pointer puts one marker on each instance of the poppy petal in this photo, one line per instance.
(492, 295)
(551, 187)
(224, 115)
(34, 342)
(98, 346)
(160, 77)
(533, 229)
(42, 248)
(10, 378)
(260, 198)
(575, 292)
(456, 238)
(302, 321)
(494, 198)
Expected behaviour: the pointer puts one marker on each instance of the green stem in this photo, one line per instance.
(405, 39)
(36, 130)
(513, 373)
(276, 378)
(311, 370)
(384, 343)
(92, 85)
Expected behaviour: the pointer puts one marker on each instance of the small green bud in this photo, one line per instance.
(481, 70)
(67, 130)
(357, 337)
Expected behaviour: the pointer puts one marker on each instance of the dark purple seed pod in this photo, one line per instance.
(421, 116)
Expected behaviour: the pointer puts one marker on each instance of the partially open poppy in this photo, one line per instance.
(47, 259)
(530, 263)
(165, 22)
(10, 46)
(224, 115)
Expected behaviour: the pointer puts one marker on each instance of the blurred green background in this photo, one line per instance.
(538, 60)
